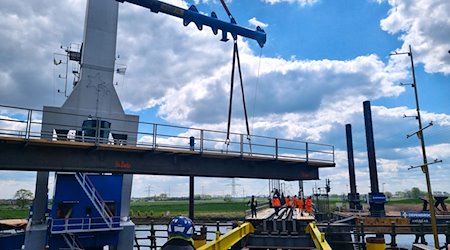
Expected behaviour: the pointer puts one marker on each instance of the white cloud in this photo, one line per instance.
(424, 25)
(255, 22)
(301, 2)
(302, 97)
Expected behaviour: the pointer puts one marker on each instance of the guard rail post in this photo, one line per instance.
(362, 235)
(307, 151)
(201, 141)
(447, 235)
(28, 129)
(97, 131)
(276, 148)
(422, 233)
(333, 153)
(155, 131)
(241, 144)
(152, 236)
(217, 230)
(393, 235)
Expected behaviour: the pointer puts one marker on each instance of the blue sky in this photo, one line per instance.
(322, 59)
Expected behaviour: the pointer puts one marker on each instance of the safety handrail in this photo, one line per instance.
(318, 238)
(229, 239)
(26, 124)
(95, 197)
(67, 225)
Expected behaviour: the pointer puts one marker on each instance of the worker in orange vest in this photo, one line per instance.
(294, 201)
(287, 201)
(301, 205)
(276, 204)
(308, 205)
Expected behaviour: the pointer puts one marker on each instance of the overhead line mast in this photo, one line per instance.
(425, 164)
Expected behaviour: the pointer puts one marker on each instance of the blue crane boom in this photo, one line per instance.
(192, 15)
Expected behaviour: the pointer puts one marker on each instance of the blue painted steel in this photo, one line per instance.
(73, 211)
(377, 198)
(416, 217)
(12, 241)
(192, 15)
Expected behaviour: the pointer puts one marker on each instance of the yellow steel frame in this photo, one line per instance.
(319, 238)
(229, 239)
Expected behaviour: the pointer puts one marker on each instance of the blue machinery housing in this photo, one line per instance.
(83, 211)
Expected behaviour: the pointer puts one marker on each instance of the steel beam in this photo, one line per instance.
(44, 155)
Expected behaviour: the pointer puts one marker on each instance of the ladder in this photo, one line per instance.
(95, 197)
(72, 241)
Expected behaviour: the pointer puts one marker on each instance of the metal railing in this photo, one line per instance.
(361, 231)
(26, 124)
(157, 237)
(318, 237)
(76, 225)
(95, 197)
(229, 239)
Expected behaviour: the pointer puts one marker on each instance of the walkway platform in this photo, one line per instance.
(267, 213)
(158, 150)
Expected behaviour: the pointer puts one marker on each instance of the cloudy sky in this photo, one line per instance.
(322, 59)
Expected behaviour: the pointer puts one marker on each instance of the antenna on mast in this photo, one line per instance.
(71, 53)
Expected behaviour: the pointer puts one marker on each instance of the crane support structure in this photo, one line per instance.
(192, 15)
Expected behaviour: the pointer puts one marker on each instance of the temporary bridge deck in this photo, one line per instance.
(160, 150)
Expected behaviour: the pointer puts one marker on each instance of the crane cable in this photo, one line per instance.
(236, 57)
(227, 10)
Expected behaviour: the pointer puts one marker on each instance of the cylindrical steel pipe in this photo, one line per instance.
(371, 148)
(351, 161)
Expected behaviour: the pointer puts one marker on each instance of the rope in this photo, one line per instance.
(242, 89)
(243, 97)
(236, 57)
(227, 141)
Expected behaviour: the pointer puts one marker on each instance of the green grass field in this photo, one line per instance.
(13, 212)
(213, 209)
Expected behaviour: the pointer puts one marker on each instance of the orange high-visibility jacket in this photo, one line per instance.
(287, 201)
(294, 202)
(276, 202)
(300, 204)
(308, 205)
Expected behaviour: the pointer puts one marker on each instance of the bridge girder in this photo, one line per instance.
(62, 156)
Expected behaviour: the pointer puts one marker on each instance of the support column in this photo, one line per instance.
(191, 197)
(35, 235)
